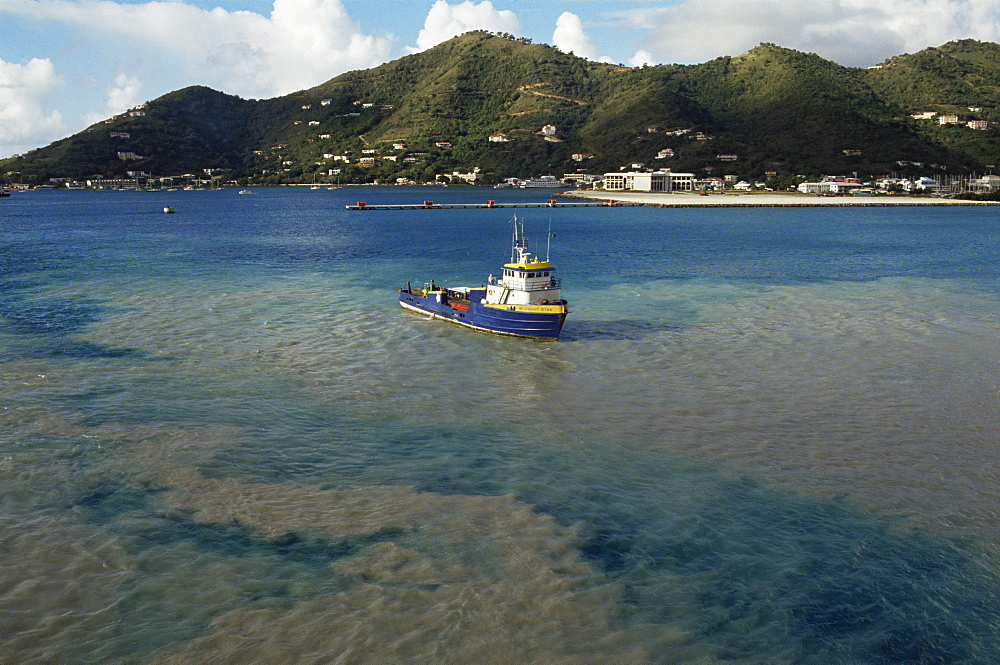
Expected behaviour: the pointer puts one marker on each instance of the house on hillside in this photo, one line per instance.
(472, 177)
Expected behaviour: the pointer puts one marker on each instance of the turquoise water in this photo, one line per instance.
(767, 436)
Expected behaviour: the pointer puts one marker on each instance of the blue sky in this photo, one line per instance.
(65, 64)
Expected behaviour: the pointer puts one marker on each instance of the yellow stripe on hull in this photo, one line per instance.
(538, 309)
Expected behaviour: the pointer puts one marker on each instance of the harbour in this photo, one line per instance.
(763, 436)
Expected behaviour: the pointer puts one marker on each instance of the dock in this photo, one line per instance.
(430, 205)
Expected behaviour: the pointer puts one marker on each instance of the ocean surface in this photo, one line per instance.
(768, 436)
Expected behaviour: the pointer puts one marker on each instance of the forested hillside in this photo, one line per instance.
(512, 108)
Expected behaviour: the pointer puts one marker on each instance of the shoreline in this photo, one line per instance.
(765, 200)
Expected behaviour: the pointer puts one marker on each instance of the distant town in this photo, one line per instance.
(636, 176)
(633, 179)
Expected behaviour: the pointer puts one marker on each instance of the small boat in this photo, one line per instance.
(526, 301)
(245, 191)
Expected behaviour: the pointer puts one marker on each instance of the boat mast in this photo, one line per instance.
(519, 244)
(513, 238)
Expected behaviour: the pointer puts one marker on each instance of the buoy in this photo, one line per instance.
(168, 209)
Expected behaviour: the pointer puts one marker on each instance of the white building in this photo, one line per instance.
(986, 184)
(830, 185)
(644, 181)
(471, 177)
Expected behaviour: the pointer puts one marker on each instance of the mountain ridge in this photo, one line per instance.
(771, 110)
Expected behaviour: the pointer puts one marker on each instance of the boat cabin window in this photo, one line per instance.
(531, 274)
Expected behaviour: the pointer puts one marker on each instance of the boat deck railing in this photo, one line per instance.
(554, 283)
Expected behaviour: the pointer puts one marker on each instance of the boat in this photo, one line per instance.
(525, 301)
(245, 191)
(548, 181)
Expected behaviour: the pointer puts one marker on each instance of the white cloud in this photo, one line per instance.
(302, 43)
(641, 57)
(851, 32)
(25, 121)
(123, 95)
(445, 21)
(570, 37)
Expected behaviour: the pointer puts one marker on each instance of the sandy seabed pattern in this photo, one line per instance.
(230, 471)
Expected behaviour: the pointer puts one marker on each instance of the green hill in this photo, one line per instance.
(769, 110)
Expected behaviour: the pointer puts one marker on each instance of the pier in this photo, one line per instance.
(551, 203)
